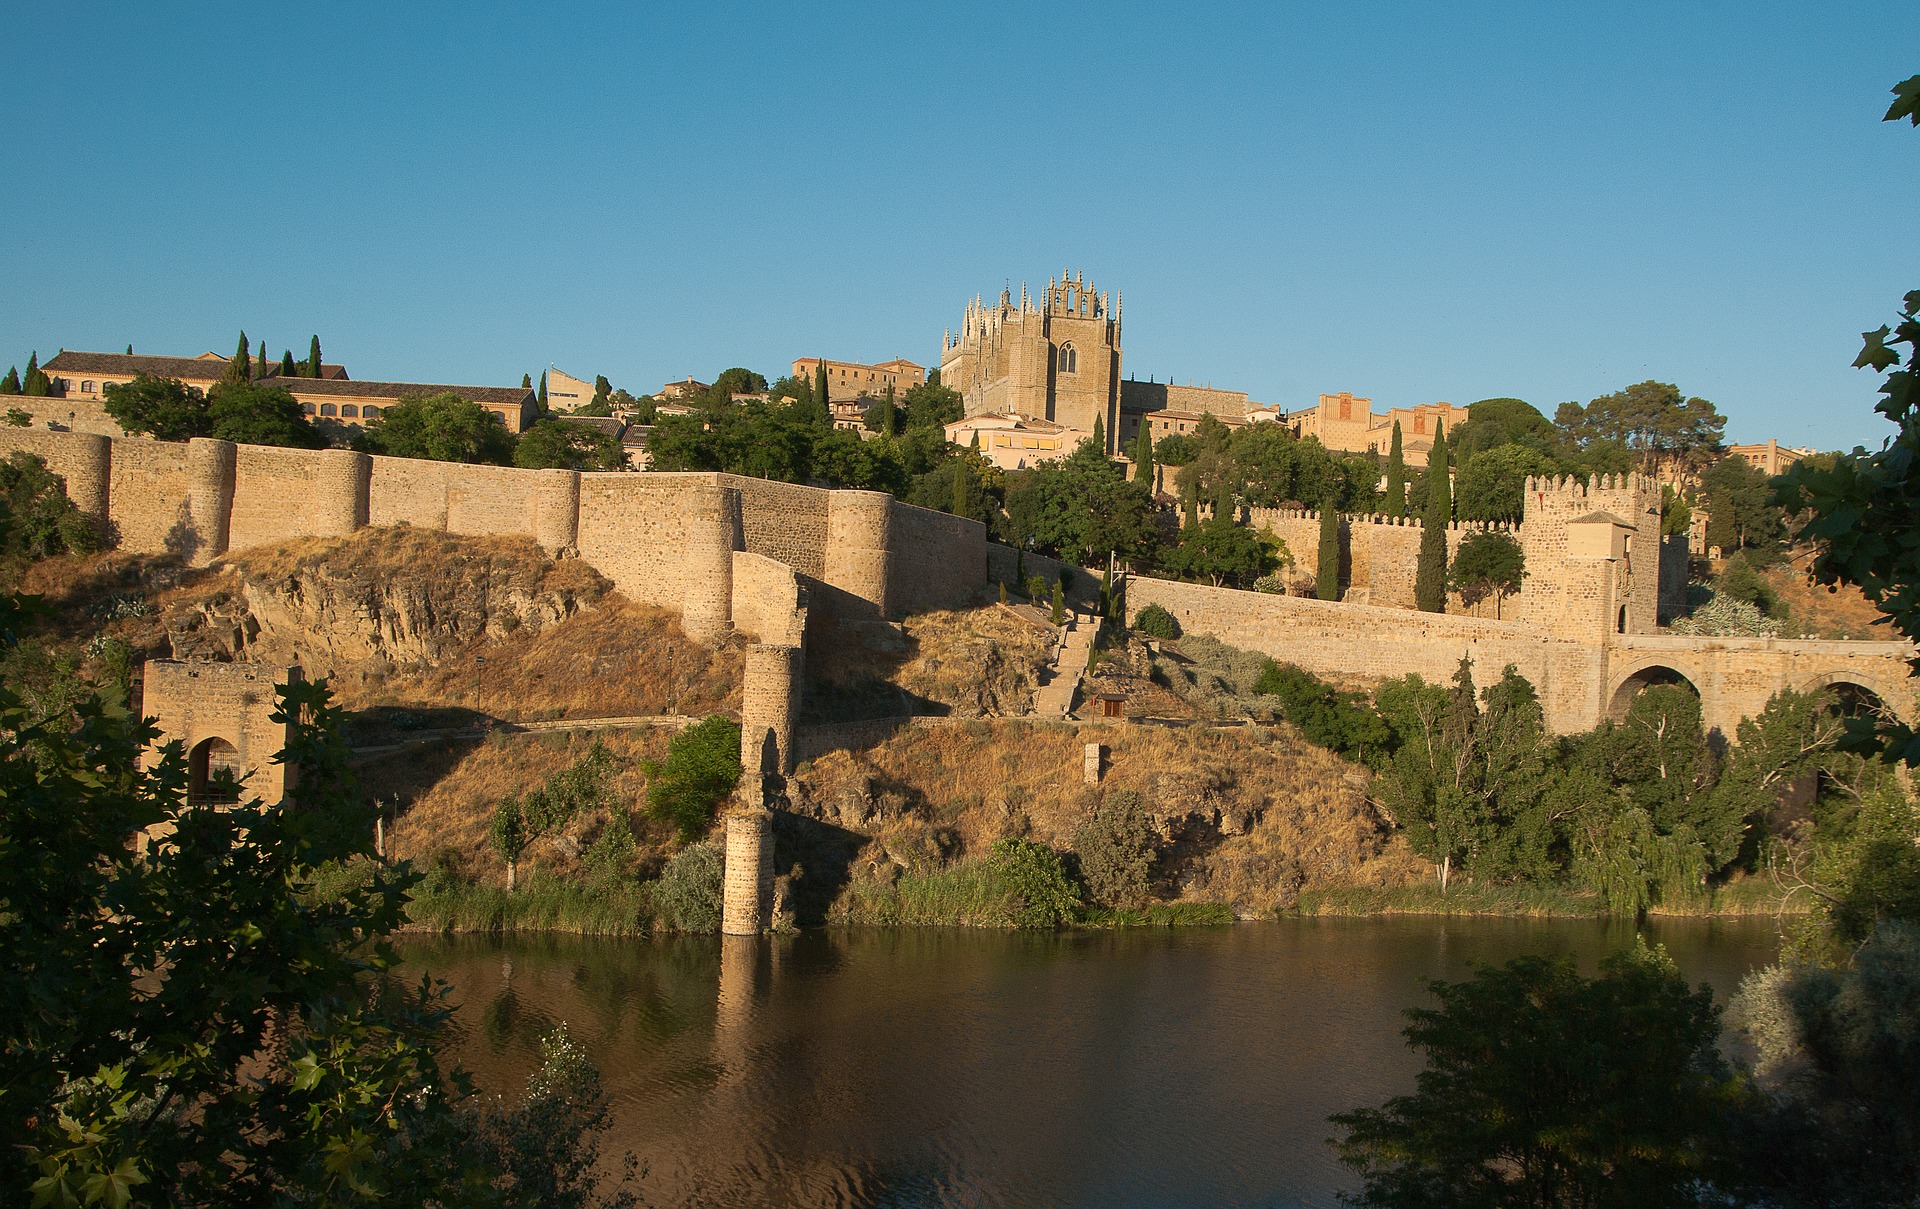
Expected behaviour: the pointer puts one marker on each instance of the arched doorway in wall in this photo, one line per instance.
(1642, 680)
(213, 773)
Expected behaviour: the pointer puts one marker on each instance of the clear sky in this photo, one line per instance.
(1413, 202)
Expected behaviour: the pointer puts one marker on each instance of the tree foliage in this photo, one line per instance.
(1741, 514)
(255, 413)
(1116, 847)
(1546, 1089)
(1036, 880)
(562, 445)
(701, 769)
(1487, 564)
(1430, 571)
(441, 428)
(1655, 426)
(188, 1022)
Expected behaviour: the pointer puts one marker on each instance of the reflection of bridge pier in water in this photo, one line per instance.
(748, 967)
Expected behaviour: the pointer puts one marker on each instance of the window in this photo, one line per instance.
(350, 410)
(86, 388)
(370, 412)
(500, 416)
(1068, 359)
(327, 409)
(307, 408)
(1419, 423)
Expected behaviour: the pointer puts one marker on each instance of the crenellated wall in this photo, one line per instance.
(664, 539)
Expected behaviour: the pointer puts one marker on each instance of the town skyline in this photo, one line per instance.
(1411, 207)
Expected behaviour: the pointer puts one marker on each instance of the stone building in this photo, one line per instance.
(87, 375)
(1345, 423)
(1057, 360)
(349, 405)
(1014, 442)
(849, 380)
(566, 392)
(1769, 457)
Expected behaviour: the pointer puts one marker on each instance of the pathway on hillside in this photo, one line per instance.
(1054, 699)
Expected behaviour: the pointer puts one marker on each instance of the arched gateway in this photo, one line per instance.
(222, 714)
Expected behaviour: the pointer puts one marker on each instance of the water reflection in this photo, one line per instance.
(937, 1068)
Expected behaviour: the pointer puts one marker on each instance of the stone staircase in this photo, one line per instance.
(1054, 699)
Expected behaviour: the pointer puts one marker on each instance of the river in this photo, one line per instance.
(911, 1068)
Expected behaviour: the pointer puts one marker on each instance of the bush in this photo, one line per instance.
(1338, 721)
(701, 769)
(1116, 849)
(1156, 622)
(1725, 617)
(1044, 895)
(687, 897)
(1273, 585)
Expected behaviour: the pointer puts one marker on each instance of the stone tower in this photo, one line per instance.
(1593, 555)
(1055, 359)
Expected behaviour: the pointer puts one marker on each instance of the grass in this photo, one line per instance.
(541, 903)
(972, 895)
(1742, 896)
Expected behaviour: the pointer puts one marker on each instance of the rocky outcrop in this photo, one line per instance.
(381, 601)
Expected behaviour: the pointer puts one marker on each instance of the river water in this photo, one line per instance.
(1185, 1067)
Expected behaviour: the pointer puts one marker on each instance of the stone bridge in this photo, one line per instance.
(1736, 676)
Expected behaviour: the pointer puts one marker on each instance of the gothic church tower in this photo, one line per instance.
(1058, 360)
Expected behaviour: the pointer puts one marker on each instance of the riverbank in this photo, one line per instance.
(971, 897)
(1749, 896)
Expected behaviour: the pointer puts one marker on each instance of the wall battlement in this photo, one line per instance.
(663, 538)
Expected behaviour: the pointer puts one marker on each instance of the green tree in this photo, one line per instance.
(10, 385)
(239, 370)
(562, 445)
(931, 405)
(701, 769)
(260, 370)
(540, 401)
(882, 417)
(1144, 469)
(313, 358)
(1741, 513)
(252, 413)
(1342, 722)
(1430, 572)
(163, 408)
(276, 1059)
(1660, 430)
(820, 394)
(1326, 578)
(287, 367)
(1396, 476)
(37, 520)
(1082, 507)
(1493, 483)
(1116, 846)
(1545, 1089)
(1059, 602)
(737, 381)
(36, 383)
(1221, 553)
(442, 428)
(1487, 564)
(602, 394)
(510, 834)
(1041, 893)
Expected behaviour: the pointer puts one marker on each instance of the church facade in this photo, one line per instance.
(1057, 359)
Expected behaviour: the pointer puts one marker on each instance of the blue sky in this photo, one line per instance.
(1412, 202)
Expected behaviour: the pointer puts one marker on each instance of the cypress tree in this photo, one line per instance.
(10, 385)
(1326, 573)
(1143, 469)
(959, 487)
(1190, 494)
(36, 383)
(820, 389)
(237, 369)
(287, 368)
(1059, 604)
(1430, 573)
(543, 390)
(1099, 434)
(129, 350)
(260, 371)
(1396, 476)
(313, 358)
(526, 381)
(975, 443)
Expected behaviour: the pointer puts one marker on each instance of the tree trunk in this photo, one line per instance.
(1446, 867)
(513, 870)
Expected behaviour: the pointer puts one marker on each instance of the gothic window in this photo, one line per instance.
(1068, 360)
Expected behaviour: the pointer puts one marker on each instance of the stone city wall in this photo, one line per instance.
(76, 413)
(769, 604)
(1365, 644)
(664, 539)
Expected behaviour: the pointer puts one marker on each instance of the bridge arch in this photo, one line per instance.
(1851, 688)
(1644, 675)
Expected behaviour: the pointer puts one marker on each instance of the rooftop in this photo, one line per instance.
(349, 389)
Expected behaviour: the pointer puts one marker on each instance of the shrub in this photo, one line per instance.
(1341, 722)
(701, 769)
(1725, 617)
(609, 858)
(687, 897)
(1044, 896)
(1116, 849)
(1156, 622)
(1273, 585)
